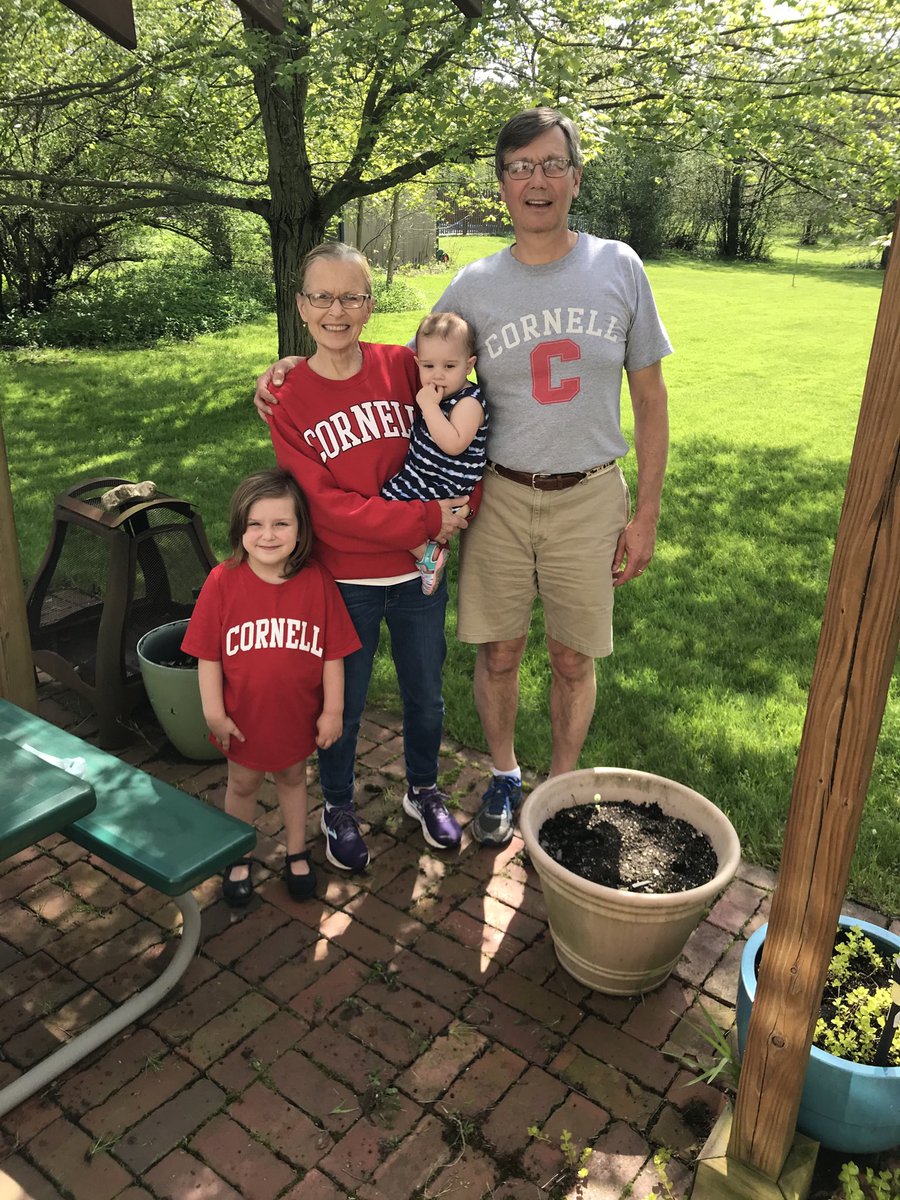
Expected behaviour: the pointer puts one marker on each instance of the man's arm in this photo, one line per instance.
(649, 402)
(264, 400)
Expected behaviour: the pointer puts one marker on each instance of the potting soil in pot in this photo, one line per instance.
(178, 661)
(629, 846)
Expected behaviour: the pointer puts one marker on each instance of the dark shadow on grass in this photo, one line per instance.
(715, 646)
(806, 267)
(191, 429)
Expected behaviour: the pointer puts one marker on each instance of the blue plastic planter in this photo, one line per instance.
(844, 1106)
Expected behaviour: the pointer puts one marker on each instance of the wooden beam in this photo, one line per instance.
(16, 668)
(115, 18)
(722, 1178)
(856, 654)
(267, 13)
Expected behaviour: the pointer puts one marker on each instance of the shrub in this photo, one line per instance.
(176, 298)
(401, 296)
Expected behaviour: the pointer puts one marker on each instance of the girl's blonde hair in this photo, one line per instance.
(269, 485)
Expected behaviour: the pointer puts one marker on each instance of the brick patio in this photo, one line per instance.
(395, 1038)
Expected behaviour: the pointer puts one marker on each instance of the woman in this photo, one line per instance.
(342, 429)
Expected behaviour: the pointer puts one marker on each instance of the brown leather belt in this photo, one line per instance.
(545, 482)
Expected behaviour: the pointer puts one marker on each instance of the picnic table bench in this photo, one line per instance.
(159, 835)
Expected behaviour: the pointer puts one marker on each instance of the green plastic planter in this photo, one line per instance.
(844, 1106)
(174, 692)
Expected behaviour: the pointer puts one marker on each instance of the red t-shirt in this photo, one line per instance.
(272, 640)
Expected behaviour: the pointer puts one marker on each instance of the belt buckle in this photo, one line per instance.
(539, 475)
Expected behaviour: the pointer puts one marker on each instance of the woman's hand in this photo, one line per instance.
(263, 399)
(454, 514)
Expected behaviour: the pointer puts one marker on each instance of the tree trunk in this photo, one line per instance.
(392, 246)
(295, 215)
(731, 227)
(292, 235)
(360, 208)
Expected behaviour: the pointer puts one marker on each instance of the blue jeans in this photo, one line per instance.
(418, 647)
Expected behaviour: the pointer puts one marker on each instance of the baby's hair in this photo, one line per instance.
(337, 251)
(269, 485)
(448, 325)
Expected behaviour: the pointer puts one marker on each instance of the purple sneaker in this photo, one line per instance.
(344, 846)
(429, 807)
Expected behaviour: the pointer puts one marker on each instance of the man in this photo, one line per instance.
(558, 316)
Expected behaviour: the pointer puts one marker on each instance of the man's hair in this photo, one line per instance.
(336, 251)
(525, 126)
(448, 325)
(269, 485)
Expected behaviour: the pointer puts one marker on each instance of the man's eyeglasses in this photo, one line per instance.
(348, 300)
(523, 168)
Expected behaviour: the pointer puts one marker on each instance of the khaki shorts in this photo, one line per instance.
(557, 545)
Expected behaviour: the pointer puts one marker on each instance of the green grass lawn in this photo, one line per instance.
(714, 646)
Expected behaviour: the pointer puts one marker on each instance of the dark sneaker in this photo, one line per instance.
(344, 846)
(429, 807)
(493, 823)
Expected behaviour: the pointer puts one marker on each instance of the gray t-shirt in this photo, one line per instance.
(552, 342)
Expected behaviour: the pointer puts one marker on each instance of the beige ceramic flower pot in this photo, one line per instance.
(613, 941)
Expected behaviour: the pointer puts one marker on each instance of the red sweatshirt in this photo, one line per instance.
(342, 439)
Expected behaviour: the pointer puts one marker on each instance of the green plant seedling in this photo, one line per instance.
(380, 972)
(866, 1185)
(575, 1159)
(661, 1160)
(380, 1101)
(100, 1145)
(725, 1062)
(153, 1062)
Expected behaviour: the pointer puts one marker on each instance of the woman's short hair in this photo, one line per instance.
(269, 485)
(448, 325)
(525, 126)
(334, 251)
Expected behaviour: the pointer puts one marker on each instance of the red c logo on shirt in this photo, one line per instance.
(541, 357)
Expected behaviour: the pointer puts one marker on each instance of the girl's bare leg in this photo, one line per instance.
(240, 801)
(290, 787)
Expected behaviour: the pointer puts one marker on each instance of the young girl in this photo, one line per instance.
(270, 631)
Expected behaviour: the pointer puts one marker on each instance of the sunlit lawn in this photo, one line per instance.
(714, 646)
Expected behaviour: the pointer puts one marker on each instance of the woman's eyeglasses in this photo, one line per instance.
(523, 168)
(348, 300)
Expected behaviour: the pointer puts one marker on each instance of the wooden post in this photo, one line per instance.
(856, 654)
(16, 669)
